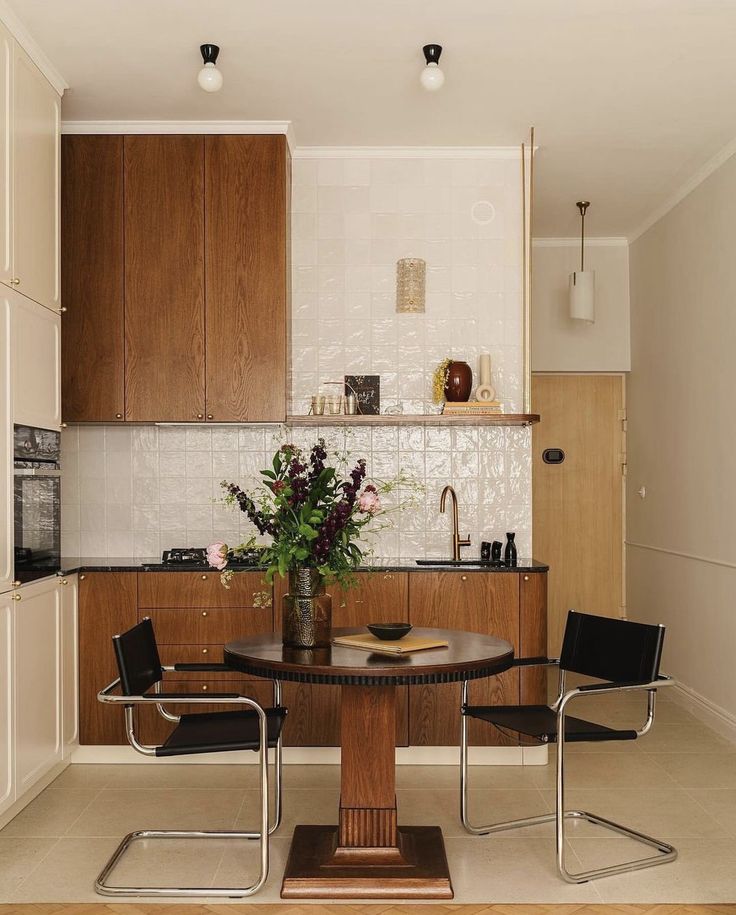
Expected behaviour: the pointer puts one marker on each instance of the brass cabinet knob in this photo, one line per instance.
(62, 310)
(200, 415)
(15, 281)
(463, 578)
(204, 613)
(64, 581)
(526, 578)
(63, 425)
(204, 687)
(205, 651)
(210, 416)
(82, 577)
(204, 578)
(17, 597)
(118, 416)
(17, 584)
(388, 577)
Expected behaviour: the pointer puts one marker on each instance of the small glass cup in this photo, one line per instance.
(318, 404)
(351, 404)
(334, 404)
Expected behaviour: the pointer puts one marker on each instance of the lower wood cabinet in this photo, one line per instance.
(7, 782)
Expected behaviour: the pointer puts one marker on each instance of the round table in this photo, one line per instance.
(367, 855)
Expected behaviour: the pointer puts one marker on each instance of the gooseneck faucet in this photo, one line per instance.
(457, 541)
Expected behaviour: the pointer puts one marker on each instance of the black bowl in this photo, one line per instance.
(389, 632)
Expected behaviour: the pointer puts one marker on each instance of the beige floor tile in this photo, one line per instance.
(720, 804)
(116, 812)
(659, 812)
(238, 868)
(312, 777)
(501, 869)
(67, 873)
(168, 775)
(174, 862)
(87, 776)
(316, 806)
(486, 805)
(18, 857)
(424, 777)
(51, 813)
(699, 770)
(703, 872)
(684, 738)
(615, 770)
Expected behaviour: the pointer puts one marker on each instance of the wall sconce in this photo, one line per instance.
(582, 282)
(209, 77)
(411, 275)
(431, 77)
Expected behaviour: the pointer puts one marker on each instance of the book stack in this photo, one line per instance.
(479, 407)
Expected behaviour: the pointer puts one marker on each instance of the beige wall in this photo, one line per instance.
(682, 436)
(560, 344)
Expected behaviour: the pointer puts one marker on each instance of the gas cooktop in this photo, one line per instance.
(196, 556)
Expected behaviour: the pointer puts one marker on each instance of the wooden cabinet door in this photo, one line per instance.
(6, 156)
(92, 273)
(107, 606)
(164, 278)
(314, 710)
(247, 218)
(484, 602)
(36, 358)
(533, 636)
(7, 746)
(37, 682)
(36, 121)
(202, 589)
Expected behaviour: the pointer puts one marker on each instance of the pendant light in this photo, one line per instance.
(582, 282)
(209, 77)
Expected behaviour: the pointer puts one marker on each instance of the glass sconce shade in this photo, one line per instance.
(410, 285)
(582, 295)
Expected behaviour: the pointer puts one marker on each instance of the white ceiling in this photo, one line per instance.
(629, 97)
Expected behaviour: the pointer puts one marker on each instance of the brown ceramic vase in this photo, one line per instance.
(459, 382)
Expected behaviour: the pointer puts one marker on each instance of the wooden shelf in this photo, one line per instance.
(419, 419)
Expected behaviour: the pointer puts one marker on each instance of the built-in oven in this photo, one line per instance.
(37, 502)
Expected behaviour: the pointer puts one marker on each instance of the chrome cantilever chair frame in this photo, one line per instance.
(665, 852)
(107, 696)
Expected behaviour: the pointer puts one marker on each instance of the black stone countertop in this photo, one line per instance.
(70, 565)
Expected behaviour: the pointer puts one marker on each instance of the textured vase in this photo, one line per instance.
(459, 382)
(306, 610)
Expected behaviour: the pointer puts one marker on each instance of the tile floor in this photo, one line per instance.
(678, 783)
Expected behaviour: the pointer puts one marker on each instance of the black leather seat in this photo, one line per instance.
(248, 726)
(625, 656)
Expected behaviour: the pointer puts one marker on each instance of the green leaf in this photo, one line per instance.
(301, 553)
(308, 532)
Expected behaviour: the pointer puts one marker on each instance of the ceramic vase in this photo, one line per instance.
(459, 382)
(306, 610)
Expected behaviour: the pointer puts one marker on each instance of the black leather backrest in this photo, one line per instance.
(611, 649)
(138, 660)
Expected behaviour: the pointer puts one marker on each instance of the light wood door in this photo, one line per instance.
(37, 682)
(577, 504)
(92, 277)
(314, 718)
(481, 602)
(164, 278)
(6, 155)
(7, 748)
(36, 122)
(107, 606)
(35, 334)
(247, 204)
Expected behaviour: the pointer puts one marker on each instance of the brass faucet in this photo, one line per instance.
(457, 541)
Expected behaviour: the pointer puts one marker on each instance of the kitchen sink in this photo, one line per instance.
(495, 563)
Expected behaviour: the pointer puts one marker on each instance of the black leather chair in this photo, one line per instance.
(626, 657)
(252, 728)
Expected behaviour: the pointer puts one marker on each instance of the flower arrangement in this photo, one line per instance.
(439, 380)
(313, 510)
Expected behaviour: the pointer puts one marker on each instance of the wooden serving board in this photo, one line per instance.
(402, 646)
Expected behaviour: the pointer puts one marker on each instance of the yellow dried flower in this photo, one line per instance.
(439, 380)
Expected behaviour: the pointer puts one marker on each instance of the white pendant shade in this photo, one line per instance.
(582, 295)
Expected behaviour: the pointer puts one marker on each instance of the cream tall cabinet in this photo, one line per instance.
(35, 334)
(6, 449)
(30, 110)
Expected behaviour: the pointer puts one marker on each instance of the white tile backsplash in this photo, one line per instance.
(134, 491)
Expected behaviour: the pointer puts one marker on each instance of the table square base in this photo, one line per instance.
(318, 869)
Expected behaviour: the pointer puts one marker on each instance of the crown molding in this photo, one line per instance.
(166, 127)
(688, 187)
(407, 152)
(20, 33)
(614, 241)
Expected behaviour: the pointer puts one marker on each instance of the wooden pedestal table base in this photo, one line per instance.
(367, 855)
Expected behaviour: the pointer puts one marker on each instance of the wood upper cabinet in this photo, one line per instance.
(92, 275)
(35, 184)
(107, 606)
(164, 278)
(247, 216)
(175, 265)
(484, 602)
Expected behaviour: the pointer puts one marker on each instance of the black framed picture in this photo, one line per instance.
(367, 390)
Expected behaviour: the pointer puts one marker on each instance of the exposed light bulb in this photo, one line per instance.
(431, 77)
(209, 77)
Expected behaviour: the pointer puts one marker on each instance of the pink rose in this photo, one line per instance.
(369, 502)
(217, 555)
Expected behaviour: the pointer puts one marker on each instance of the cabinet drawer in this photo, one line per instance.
(196, 654)
(202, 589)
(205, 626)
